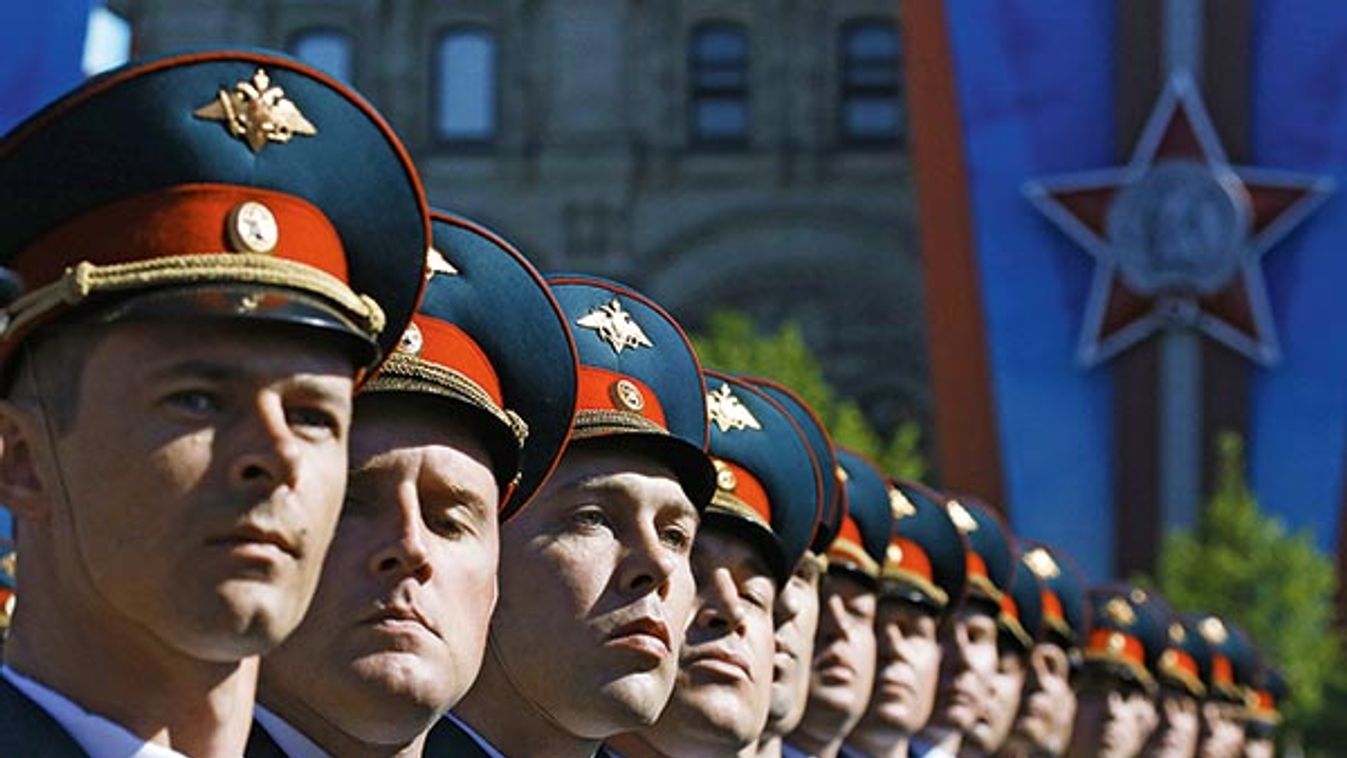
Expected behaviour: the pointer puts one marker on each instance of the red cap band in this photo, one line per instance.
(913, 559)
(1222, 673)
(447, 345)
(747, 488)
(1117, 644)
(187, 219)
(604, 390)
(1264, 701)
(1052, 607)
(977, 568)
(848, 547)
(1180, 662)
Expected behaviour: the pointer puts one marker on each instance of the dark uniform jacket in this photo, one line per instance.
(27, 731)
(261, 745)
(450, 739)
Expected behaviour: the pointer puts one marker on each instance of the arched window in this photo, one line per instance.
(718, 79)
(328, 50)
(465, 85)
(871, 105)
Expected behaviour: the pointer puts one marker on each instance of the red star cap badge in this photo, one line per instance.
(1178, 234)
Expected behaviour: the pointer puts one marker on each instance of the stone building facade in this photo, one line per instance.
(714, 154)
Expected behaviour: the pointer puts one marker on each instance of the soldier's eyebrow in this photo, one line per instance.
(758, 565)
(203, 369)
(684, 508)
(320, 387)
(465, 496)
(312, 385)
(375, 469)
(597, 483)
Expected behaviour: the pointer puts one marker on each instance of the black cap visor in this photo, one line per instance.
(241, 303)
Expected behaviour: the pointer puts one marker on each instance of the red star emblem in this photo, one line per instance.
(1178, 234)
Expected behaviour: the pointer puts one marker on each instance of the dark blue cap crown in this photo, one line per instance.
(490, 337)
(863, 539)
(767, 481)
(1065, 613)
(925, 562)
(639, 377)
(1180, 659)
(991, 564)
(1124, 634)
(1022, 616)
(825, 454)
(218, 183)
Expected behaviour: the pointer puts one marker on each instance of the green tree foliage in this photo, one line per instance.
(732, 344)
(1243, 565)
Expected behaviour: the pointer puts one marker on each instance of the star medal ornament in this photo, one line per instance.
(1178, 234)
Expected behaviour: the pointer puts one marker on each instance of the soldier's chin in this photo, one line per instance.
(898, 713)
(1117, 740)
(230, 641)
(248, 618)
(783, 702)
(1033, 730)
(633, 701)
(399, 696)
(838, 698)
(722, 714)
(956, 716)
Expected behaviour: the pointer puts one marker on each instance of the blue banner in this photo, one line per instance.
(41, 50)
(1298, 419)
(1036, 91)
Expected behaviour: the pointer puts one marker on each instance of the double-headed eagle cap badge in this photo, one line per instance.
(257, 112)
(615, 326)
(728, 412)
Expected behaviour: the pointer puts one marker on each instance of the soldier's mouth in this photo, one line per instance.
(252, 538)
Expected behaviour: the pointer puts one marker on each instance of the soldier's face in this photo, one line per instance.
(797, 612)
(596, 591)
(397, 630)
(908, 667)
(724, 688)
(1007, 685)
(1110, 722)
(1049, 702)
(1176, 737)
(1261, 747)
(968, 663)
(844, 651)
(1145, 713)
(191, 498)
(1222, 730)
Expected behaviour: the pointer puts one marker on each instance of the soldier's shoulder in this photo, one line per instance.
(451, 737)
(27, 730)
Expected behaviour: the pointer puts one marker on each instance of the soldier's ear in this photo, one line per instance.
(21, 486)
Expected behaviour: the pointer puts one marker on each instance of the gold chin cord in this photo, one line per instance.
(85, 279)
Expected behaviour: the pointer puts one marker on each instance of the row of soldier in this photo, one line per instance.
(301, 467)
